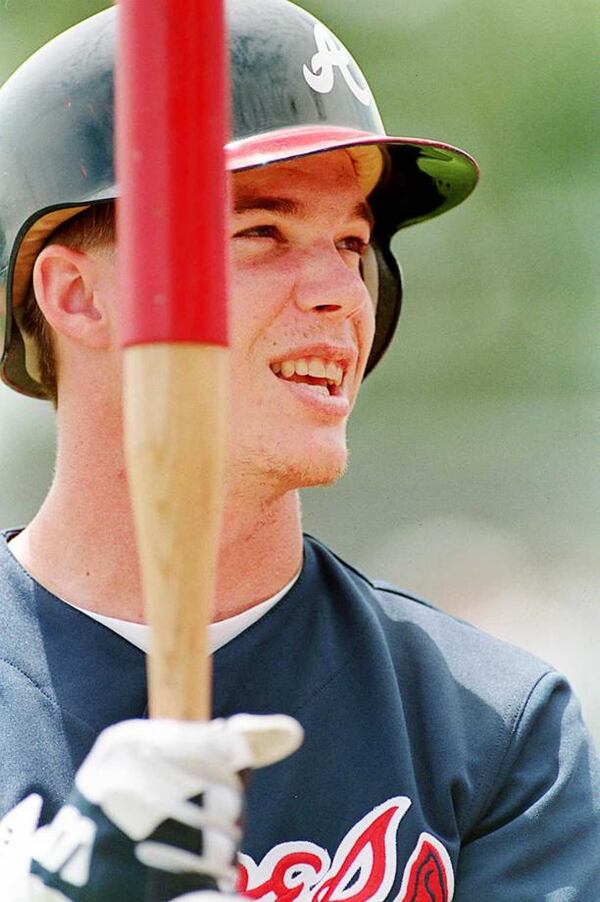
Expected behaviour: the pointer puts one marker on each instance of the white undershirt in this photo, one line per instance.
(219, 633)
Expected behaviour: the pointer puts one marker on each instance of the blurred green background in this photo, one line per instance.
(473, 478)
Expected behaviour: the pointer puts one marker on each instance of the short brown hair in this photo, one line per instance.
(90, 229)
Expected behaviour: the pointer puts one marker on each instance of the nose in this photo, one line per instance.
(329, 282)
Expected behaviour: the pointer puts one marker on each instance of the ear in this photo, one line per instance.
(69, 290)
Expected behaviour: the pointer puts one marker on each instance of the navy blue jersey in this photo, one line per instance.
(439, 763)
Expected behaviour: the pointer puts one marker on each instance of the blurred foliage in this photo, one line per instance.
(27, 24)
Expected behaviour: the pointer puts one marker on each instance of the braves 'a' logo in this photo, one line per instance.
(363, 869)
(332, 55)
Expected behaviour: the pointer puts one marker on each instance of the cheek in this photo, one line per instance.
(367, 324)
(370, 313)
(244, 318)
(257, 294)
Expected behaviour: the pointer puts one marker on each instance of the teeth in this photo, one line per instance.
(317, 367)
(334, 372)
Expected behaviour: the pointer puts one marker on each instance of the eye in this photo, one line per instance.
(354, 244)
(259, 231)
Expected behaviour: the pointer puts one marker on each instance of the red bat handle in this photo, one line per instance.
(172, 130)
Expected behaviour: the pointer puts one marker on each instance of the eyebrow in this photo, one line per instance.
(289, 207)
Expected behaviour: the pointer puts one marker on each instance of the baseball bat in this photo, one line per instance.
(171, 133)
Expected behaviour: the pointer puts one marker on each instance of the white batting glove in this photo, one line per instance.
(154, 814)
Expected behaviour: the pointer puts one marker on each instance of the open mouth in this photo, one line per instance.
(325, 376)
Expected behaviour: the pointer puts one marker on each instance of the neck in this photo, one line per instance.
(81, 544)
(260, 551)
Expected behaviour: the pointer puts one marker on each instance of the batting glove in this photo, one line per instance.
(154, 815)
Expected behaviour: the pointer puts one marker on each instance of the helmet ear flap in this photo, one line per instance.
(383, 278)
(21, 367)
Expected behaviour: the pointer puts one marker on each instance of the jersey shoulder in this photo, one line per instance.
(434, 645)
(483, 712)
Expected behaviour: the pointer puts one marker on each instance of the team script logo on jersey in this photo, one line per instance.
(332, 55)
(364, 868)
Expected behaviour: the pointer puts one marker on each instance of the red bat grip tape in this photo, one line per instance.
(172, 126)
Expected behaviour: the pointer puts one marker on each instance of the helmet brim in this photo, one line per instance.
(450, 172)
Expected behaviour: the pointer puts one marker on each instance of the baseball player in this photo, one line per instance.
(438, 763)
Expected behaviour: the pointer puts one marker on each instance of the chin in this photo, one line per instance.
(311, 476)
(307, 467)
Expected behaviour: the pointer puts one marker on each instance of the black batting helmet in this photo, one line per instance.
(295, 91)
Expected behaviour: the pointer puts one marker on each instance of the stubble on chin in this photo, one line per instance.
(308, 471)
(278, 472)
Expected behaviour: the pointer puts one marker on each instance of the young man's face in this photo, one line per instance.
(302, 320)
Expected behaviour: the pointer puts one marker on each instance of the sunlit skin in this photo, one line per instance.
(298, 232)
